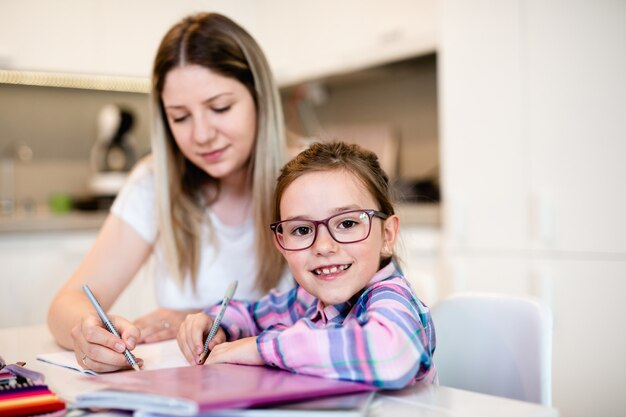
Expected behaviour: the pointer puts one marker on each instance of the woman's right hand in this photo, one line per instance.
(98, 349)
(191, 335)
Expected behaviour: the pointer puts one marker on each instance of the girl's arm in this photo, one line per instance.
(241, 322)
(111, 263)
(244, 319)
(388, 342)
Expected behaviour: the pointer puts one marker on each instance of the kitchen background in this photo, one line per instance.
(60, 125)
(511, 111)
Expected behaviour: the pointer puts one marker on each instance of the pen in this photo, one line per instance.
(230, 291)
(105, 319)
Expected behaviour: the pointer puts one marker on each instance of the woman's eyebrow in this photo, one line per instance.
(208, 100)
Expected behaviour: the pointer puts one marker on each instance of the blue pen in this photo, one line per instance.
(105, 319)
(230, 291)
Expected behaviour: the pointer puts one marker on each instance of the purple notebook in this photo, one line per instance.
(195, 389)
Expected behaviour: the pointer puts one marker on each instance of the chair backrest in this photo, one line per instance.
(495, 344)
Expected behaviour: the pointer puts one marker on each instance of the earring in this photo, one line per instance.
(386, 250)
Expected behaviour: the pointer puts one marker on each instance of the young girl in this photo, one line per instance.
(352, 315)
(217, 135)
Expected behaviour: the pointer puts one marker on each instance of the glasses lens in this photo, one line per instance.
(349, 227)
(295, 234)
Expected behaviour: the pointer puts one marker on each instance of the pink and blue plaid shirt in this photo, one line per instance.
(383, 336)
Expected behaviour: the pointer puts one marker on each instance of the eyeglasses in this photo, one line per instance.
(347, 227)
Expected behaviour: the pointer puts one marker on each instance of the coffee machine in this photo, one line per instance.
(112, 154)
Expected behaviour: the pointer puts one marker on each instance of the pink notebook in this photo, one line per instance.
(195, 389)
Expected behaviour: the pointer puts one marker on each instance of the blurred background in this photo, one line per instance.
(501, 122)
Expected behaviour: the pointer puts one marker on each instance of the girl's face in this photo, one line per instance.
(212, 118)
(332, 271)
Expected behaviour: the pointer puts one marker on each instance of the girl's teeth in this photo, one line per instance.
(331, 270)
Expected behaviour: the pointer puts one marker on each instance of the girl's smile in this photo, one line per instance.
(330, 272)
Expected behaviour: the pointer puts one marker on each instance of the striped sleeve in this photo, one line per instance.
(387, 341)
(245, 319)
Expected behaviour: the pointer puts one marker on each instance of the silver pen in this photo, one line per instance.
(109, 325)
(230, 291)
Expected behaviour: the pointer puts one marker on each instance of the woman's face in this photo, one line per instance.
(212, 118)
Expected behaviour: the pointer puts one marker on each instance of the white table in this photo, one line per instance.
(24, 343)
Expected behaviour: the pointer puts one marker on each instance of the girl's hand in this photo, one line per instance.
(191, 336)
(242, 351)
(98, 349)
(160, 324)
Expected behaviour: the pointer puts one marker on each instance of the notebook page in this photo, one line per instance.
(157, 355)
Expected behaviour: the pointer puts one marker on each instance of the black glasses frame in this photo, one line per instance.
(316, 223)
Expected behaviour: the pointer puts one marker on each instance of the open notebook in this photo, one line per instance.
(193, 390)
(158, 355)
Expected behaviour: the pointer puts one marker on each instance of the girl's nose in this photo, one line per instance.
(324, 243)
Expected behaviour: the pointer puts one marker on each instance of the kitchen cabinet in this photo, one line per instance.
(532, 99)
(575, 130)
(302, 40)
(589, 340)
(480, 134)
(35, 265)
(314, 40)
(96, 38)
(539, 109)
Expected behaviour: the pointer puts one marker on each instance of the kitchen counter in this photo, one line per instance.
(44, 220)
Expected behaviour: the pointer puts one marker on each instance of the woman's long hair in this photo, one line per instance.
(217, 43)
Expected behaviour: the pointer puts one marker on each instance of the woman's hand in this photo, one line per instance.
(243, 351)
(160, 324)
(98, 349)
(192, 333)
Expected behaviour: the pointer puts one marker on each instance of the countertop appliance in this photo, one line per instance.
(112, 154)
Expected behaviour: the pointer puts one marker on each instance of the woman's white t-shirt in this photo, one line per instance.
(232, 258)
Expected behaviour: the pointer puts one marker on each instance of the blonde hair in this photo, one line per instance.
(219, 44)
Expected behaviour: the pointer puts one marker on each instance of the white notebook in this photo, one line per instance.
(159, 355)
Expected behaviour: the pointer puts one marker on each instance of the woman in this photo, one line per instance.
(217, 141)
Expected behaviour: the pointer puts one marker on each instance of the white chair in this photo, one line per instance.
(495, 344)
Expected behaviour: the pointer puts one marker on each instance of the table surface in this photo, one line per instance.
(24, 343)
